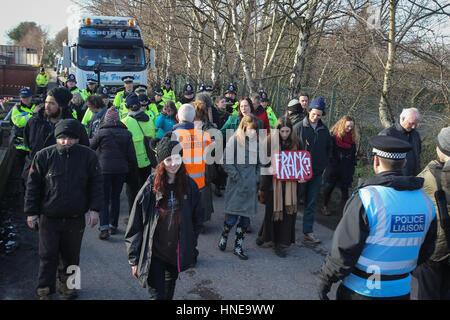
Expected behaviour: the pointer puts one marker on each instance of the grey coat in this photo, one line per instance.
(242, 182)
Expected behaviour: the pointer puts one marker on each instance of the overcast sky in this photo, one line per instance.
(52, 15)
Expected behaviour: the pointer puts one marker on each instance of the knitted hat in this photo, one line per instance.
(165, 148)
(112, 115)
(186, 113)
(68, 128)
(319, 104)
(62, 96)
(132, 100)
(443, 141)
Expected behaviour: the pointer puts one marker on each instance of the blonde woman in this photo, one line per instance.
(242, 165)
(341, 168)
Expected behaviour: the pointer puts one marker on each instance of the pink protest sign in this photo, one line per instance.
(292, 166)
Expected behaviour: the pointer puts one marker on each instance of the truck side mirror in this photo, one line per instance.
(66, 57)
(151, 58)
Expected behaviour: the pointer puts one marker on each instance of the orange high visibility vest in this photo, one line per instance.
(194, 143)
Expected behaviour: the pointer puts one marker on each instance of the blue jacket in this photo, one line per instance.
(164, 124)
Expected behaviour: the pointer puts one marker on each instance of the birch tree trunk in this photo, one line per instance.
(384, 109)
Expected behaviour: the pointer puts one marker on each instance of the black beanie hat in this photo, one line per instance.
(62, 96)
(165, 147)
(67, 127)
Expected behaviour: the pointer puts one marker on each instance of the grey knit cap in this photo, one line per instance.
(443, 141)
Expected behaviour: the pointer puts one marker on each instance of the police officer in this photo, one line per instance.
(387, 229)
(230, 96)
(157, 102)
(270, 114)
(168, 93)
(145, 103)
(42, 80)
(120, 99)
(64, 183)
(141, 89)
(20, 115)
(188, 95)
(71, 84)
(90, 90)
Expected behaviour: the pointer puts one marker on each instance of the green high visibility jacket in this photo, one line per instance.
(19, 118)
(272, 117)
(169, 95)
(42, 80)
(138, 130)
(120, 103)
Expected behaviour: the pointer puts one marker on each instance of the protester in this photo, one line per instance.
(315, 137)
(38, 132)
(241, 163)
(64, 183)
(406, 130)
(167, 119)
(77, 106)
(260, 111)
(433, 275)
(115, 150)
(201, 122)
(98, 110)
(294, 111)
(279, 197)
(164, 225)
(341, 168)
(211, 111)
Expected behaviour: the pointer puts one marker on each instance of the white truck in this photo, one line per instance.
(109, 47)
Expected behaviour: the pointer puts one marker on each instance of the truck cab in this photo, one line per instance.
(111, 47)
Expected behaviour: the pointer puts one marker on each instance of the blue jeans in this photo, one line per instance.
(312, 189)
(109, 216)
(231, 220)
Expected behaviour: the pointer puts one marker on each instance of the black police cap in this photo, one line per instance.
(390, 147)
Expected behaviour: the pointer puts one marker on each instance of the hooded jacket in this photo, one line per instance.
(64, 183)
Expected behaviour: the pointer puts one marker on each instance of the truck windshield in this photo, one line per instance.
(121, 57)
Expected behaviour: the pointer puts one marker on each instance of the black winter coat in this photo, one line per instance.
(142, 224)
(342, 164)
(115, 148)
(64, 183)
(39, 134)
(317, 142)
(412, 167)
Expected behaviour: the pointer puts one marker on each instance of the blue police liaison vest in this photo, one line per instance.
(398, 222)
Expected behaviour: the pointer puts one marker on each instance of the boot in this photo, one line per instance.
(279, 250)
(224, 238)
(68, 294)
(238, 244)
(326, 200)
(44, 293)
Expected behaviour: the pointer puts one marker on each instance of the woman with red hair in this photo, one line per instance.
(164, 224)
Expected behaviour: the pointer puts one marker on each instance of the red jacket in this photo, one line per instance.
(262, 115)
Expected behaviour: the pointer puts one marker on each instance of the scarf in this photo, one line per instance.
(290, 198)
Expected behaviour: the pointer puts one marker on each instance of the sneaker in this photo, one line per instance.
(104, 235)
(112, 231)
(310, 238)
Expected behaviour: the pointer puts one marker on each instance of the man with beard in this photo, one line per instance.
(38, 133)
(64, 183)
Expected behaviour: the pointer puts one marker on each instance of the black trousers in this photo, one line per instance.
(161, 280)
(59, 247)
(135, 180)
(433, 280)
(16, 183)
(344, 293)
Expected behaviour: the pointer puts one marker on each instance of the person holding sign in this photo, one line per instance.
(241, 163)
(280, 197)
